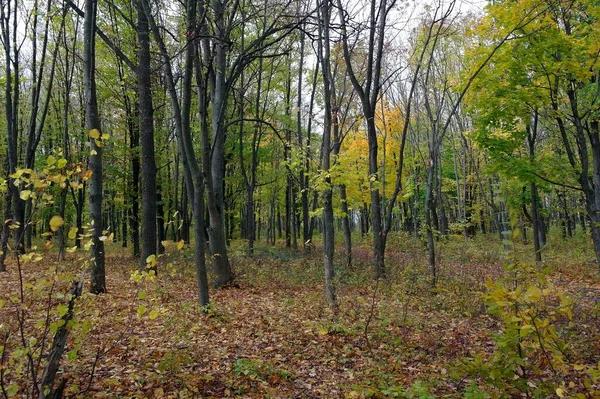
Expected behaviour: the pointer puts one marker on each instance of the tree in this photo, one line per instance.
(193, 174)
(555, 76)
(323, 55)
(146, 123)
(368, 93)
(92, 123)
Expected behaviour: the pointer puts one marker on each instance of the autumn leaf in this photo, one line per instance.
(25, 194)
(72, 233)
(533, 293)
(94, 133)
(151, 261)
(153, 314)
(56, 223)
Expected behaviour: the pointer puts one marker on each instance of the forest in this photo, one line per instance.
(300, 199)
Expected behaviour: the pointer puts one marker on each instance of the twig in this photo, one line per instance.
(2, 360)
(58, 344)
(371, 315)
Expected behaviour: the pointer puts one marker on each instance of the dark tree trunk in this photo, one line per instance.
(98, 281)
(146, 121)
(192, 172)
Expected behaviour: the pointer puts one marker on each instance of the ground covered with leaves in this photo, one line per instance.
(271, 335)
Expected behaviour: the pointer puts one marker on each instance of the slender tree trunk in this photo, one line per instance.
(346, 226)
(328, 223)
(160, 219)
(535, 222)
(535, 213)
(98, 282)
(146, 121)
(8, 19)
(68, 80)
(192, 172)
(5, 233)
(428, 223)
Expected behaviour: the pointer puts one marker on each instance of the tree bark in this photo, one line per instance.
(146, 122)
(98, 279)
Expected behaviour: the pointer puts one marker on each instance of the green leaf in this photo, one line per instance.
(62, 310)
(72, 355)
(141, 310)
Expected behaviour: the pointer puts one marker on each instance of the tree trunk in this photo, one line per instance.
(5, 233)
(328, 225)
(98, 281)
(428, 223)
(146, 121)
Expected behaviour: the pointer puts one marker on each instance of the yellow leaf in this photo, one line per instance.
(72, 233)
(99, 143)
(48, 244)
(93, 152)
(17, 174)
(56, 222)
(25, 194)
(180, 245)
(533, 293)
(153, 314)
(105, 136)
(94, 133)
(560, 392)
(323, 331)
(50, 160)
(72, 249)
(151, 260)
(62, 163)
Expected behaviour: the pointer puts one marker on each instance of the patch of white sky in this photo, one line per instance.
(402, 20)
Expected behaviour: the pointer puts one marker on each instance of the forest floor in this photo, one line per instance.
(271, 335)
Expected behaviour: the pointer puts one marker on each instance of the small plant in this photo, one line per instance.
(530, 355)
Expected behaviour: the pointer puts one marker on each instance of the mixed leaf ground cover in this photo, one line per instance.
(271, 334)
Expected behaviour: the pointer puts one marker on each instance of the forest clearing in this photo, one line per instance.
(298, 198)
